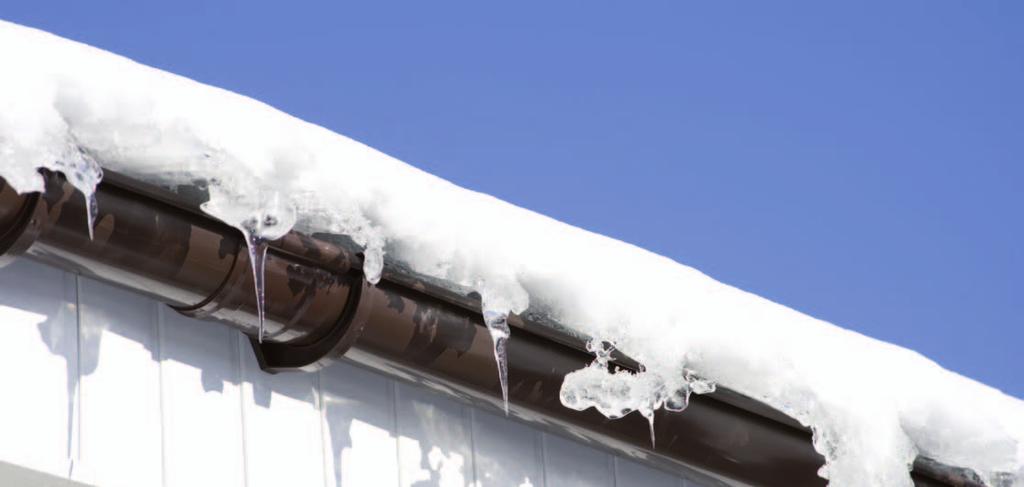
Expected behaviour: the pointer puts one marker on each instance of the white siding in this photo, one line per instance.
(202, 414)
(110, 388)
(508, 453)
(283, 429)
(434, 439)
(361, 442)
(639, 474)
(569, 464)
(38, 368)
(120, 388)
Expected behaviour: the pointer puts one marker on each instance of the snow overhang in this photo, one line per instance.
(873, 407)
(319, 307)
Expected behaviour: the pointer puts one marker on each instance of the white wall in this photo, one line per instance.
(109, 388)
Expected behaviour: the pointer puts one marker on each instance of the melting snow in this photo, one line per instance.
(872, 406)
(31, 139)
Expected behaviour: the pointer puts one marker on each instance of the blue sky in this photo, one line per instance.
(861, 163)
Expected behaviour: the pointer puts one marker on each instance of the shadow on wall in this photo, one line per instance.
(380, 432)
(33, 294)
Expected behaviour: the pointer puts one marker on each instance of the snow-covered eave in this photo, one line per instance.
(873, 407)
(774, 449)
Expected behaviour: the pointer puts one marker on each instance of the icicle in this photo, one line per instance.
(92, 210)
(84, 173)
(257, 258)
(650, 422)
(497, 324)
(262, 216)
(499, 298)
(648, 413)
(647, 410)
(257, 247)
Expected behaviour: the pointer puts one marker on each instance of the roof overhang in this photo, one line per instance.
(320, 308)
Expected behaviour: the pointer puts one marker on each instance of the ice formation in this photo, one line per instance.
(872, 406)
(496, 305)
(497, 325)
(31, 139)
(616, 393)
(265, 219)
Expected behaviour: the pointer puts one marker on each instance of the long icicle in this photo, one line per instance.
(497, 324)
(257, 259)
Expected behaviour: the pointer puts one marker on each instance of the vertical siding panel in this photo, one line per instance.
(505, 452)
(201, 412)
(38, 367)
(283, 437)
(434, 439)
(120, 396)
(572, 464)
(628, 472)
(361, 444)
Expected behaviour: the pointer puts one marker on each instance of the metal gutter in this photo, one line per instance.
(320, 308)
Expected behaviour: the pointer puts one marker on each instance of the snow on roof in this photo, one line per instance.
(872, 406)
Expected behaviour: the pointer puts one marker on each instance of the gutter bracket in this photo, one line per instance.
(275, 357)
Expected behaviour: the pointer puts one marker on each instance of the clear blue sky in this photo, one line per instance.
(864, 163)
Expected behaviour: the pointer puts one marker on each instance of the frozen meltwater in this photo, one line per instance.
(497, 325)
(616, 392)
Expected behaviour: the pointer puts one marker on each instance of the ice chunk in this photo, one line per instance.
(616, 392)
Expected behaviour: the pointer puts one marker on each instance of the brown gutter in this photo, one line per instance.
(320, 307)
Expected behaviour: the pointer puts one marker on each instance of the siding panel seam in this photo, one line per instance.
(76, 415)
(393, 389)
(240, 369)
(160, 390)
